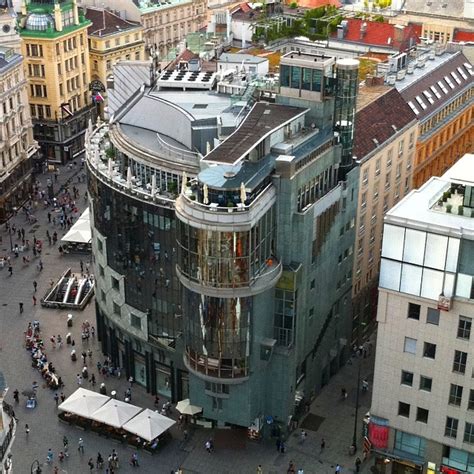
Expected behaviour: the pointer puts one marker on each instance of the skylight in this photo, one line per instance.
(456, 77)
(428, 96)
(412, 107)
(463, 74)
(435, 92)
(420, 101)
(449, 82)
(442, 87)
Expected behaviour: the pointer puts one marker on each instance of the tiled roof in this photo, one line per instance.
(462, 35)
(379, 121)
(452, 8)
(319, 3)
(381, 34)
(106, 23)
(436, 88)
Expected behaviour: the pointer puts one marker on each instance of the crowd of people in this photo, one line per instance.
(35, 345)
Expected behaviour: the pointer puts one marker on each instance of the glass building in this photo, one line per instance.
(223, 241)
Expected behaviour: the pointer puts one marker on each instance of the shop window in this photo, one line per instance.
(410, 443)
(163, 378)
(407, 378)
(432, 317)
(422, 415)
(455, 395)
(426, 383)
(451, 428)
(404, 409)
(414, 311)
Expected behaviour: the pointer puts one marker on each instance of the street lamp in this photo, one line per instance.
(36, 467)
(10, 235)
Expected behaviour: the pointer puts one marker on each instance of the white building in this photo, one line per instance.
(243, 63)
(423, 397)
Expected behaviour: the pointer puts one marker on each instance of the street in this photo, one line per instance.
(330, 417)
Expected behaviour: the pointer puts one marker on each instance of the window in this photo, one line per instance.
(469, 432)
(464, 327)
(429, 350)
(216, 404)
(432, 316)
(422, 415)
(451, 428)
(102, 295)
(455, 395)
(377, 167)
(101, 270)
(135, 321)
(401, 146)
(115, 283)
(217, 388)
(407, 378)
(426, 383)
(414, 311)
(409, 345)
(470, 403)
(312, 284)
(100, 245)
(117, 309)
(410, 443)
(460, 360)
(404, 409)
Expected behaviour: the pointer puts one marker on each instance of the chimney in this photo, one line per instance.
(398, 33)
(363, 30)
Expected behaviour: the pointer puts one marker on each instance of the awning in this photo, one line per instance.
(185, 407)
(80, 232)
(83, 402)
(115, 413)
(148, 424)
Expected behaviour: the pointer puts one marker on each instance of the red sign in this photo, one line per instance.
(449, 470)
(378, 435)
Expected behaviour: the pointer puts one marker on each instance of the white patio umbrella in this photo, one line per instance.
(148, 424)
(110, 168)
(115, 413)
(153, 184)
(185, 407)
(184, 183)
(205, 191)
(83, 402)
(129, 177)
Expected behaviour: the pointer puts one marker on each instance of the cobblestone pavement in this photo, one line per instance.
(47, 431)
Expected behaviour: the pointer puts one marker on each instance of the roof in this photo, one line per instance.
(105, 22)
(8, 59)
(463, 35)
(451, 8)
(416, 209)
(437, 86)
(260, 121)
(379, 121)
(241, 58)
(319, 3)
(381, 34)
(185, 56)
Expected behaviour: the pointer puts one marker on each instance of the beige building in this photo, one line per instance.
(422, 413)
(57, 66)
(384, 146)
(165, 24)
(16, 135)
(111, 39)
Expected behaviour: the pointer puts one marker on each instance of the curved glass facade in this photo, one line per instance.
(141, 246)
(226, 259)
(217, 334)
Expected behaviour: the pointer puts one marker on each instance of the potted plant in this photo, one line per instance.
(460, 210)
(449, 208)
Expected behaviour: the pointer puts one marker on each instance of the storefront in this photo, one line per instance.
(140, 369)
(163, 380)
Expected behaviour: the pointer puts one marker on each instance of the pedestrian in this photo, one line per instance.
(208, 446)
(49, 456)
(27, 429)
(80, 445)
(53, 342)
(93, 331)
(35, 285)
(90, 463)
(89, 353)
(62, 397)
(16, 396)
(56, 398)
(79, 379)
(59, 340)
(303, 436)
(81, 263)
(358, 462)
(65, 442)
(338, 469)
(93, 379)
(56, 470)
(291, 468)
(100, 461)
(21, 307)
(49, 218)
(259, 469)
(61, 456)
(34, 300)
(323, 444)
(10, 270)
(84, 357)
(134, 460)
(365, 385)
